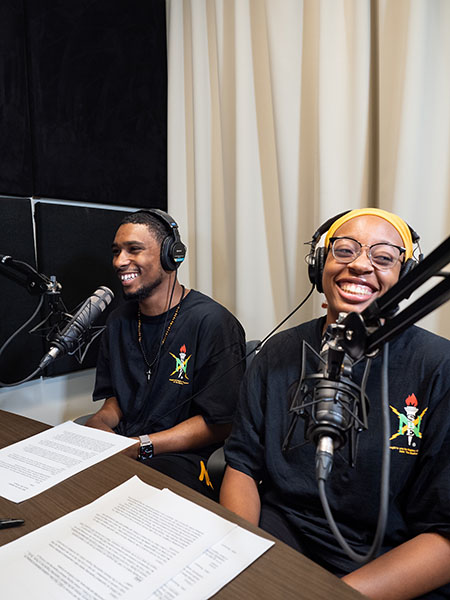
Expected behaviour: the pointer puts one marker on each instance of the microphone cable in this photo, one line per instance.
(166, 318)
(384, 485)
(144, 407)
(59, 345)
(13, 336)
(258, 347)
(244, 358)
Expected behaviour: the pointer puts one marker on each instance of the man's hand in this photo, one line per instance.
(107, 417)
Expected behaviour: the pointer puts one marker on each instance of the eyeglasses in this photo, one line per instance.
(382, 256)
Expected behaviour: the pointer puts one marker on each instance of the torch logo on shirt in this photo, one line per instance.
(409, 423)
(180, 367)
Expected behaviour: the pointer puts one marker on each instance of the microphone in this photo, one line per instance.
(331, 404)
(333, 409)
(78, 328)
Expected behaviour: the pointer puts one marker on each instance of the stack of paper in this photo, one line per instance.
(134, 542)
(41, 461)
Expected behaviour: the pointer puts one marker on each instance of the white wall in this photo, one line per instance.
(52, 400)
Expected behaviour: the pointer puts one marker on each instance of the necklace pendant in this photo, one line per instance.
(149, 374)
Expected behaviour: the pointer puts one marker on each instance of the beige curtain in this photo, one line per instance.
(283, 113)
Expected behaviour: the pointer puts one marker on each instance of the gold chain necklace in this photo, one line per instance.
(155, 360)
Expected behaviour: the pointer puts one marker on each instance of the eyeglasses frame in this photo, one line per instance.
(401, 249)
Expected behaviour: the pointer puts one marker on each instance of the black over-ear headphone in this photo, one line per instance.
(173, 250)
(316, 258)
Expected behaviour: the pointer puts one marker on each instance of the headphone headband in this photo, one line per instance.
(173, 251)
(325, 227)
(316, 258)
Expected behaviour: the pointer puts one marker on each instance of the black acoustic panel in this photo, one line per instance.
(15, 141)
(21, 357)
(98, 96)
(74, 245)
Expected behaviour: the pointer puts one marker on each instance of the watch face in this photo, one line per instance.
(146, 451)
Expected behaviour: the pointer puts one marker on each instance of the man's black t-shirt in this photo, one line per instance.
(198, 371)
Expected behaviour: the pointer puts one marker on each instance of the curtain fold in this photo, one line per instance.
(282, 114)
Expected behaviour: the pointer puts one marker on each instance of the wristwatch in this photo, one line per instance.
(146, 449)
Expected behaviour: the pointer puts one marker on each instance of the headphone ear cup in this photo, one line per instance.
(173, 252)
(311, 261)
(316, 258)
(315, 268)
(407, 266)
(321, 256)
(167, 261)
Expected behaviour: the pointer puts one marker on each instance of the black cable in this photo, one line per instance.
(166, 318)
(384, 485)
(363, 388)
(144, 407)
(244, 358)
(12, 337)
(33, 374)
(284, 320)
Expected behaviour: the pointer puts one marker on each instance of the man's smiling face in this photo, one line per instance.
(353, 286)
(136, 260)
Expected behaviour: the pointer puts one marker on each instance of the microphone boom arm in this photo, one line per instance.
(363, 333)
(27, 276)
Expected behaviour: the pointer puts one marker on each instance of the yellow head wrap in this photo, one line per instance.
(394, 220)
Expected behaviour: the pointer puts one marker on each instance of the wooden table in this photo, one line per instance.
(280, 573)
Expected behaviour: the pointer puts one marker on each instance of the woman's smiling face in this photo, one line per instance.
(352, 287)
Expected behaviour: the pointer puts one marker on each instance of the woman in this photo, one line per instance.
(366, 251)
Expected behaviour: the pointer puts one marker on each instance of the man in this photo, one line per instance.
(164, 355)
(364, 254)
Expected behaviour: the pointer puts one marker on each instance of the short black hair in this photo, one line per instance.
(156, 226)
